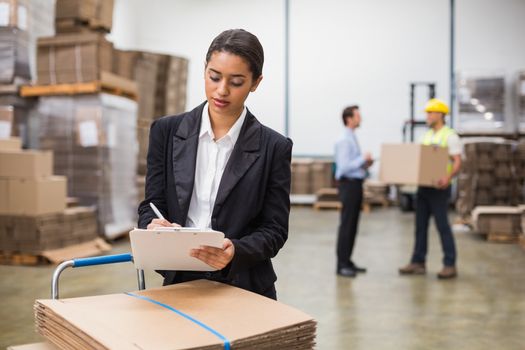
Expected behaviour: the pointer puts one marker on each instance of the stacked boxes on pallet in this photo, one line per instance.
(161, 81)
(33, 214)
(21, 22)
(499, 223)
(375, 192)
(488, 177)
(310, 175)
(93, 137)
(73, 58)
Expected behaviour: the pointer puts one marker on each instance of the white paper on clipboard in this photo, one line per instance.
(170, 249)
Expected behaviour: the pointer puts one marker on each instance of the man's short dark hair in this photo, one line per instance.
(348, 112)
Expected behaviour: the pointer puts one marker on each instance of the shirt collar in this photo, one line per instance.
(234, 131)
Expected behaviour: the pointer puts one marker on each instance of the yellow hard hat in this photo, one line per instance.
(436, 105)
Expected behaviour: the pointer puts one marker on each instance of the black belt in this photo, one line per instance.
(350, 179)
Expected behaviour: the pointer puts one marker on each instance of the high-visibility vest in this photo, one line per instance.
(439, 138)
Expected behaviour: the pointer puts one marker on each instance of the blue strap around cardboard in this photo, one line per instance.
(188, 317)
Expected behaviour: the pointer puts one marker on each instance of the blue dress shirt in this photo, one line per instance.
(349, 161)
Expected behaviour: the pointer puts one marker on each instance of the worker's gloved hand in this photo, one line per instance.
(443, 182)
(215, 257)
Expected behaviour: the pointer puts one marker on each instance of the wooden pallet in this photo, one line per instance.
(367, 206)
(502, 238)
(14, 258)
(109, 83)
(319, 205)
(55, 256)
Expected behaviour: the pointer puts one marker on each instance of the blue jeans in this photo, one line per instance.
(433, 201)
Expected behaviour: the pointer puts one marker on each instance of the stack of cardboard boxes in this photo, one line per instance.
(488, 177)
(161, 81)
(93, 135)
(94, 141)
(375, 192)
(498, 223)
(79, 52)
(310, 175)
(33, 214)
(21, 22)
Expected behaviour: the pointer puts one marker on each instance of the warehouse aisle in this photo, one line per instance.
(482, 309)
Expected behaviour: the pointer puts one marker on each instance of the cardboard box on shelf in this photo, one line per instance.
(26, 164)
(32, 196)
(413, 164)
(75, 15)
(13, 13)
(73, 58)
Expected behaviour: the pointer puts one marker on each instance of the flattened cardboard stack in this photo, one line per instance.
(73, 58)
(488, 177)
(84, 15)
(310, 175)
(93, 137)
(38, 233)
(301, 176)
(121, 321)
(161, 81)
(375, 192)
(322, 174)
(499, 223)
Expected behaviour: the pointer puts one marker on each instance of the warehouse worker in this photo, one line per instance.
(351, 170)
(435, 200)
(218, 167)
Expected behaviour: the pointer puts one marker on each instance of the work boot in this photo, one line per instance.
(447, 272)
(413, 269)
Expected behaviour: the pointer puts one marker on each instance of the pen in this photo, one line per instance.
(156, 211)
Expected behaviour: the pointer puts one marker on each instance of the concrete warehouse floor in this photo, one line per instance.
(483, 309)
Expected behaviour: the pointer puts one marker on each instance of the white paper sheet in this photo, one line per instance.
(170, 249)
(88, 133)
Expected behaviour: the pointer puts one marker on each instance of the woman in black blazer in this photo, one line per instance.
(218, 167)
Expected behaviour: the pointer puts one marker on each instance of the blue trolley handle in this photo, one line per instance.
(97, 260)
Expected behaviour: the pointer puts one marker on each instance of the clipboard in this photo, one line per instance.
(169, 248)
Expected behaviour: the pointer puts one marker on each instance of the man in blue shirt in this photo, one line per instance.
(351, 170)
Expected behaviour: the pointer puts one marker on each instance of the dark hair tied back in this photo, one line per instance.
(241, 43)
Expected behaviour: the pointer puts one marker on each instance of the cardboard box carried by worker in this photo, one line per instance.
(413, 164)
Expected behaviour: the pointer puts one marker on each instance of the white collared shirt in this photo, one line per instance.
(212, 157)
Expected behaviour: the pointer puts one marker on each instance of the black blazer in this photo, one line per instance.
(252, 206)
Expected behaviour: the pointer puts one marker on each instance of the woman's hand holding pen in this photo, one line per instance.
(215, 257)
(160, 223)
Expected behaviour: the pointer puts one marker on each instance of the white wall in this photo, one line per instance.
(342, 52)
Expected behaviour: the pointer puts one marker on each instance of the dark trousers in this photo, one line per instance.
(351, 195)
(433, 201)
